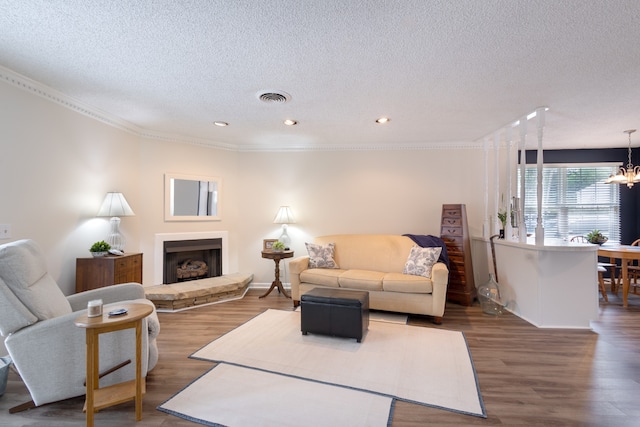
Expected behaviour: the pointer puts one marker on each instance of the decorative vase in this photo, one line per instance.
(98, 254)
(489, 297)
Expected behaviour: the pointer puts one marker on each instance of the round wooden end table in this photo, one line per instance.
(276, 256)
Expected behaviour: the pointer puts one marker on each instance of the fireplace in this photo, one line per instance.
(191, 259)
(161, 238)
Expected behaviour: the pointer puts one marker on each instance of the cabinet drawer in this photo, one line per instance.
(456, 268)
(453, 241)
(456, 286)
(451, 212)
(457, 279)
(450, 231)
(455, 250)
(452, 222)
(124, 264)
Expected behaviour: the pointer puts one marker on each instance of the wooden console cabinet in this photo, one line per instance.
(455, 233)
(98, 272)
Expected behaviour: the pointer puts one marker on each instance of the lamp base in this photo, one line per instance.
(114, 238)
(284, 238)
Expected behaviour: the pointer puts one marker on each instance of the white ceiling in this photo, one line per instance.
(447, 72)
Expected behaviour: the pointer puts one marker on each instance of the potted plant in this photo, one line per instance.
(596, 237)
(502, 217)
(100, 248)
(278, 247)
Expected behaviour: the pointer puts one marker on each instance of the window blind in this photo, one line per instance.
(575, 201)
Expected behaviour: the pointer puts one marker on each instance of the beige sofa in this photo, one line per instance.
(375, 263)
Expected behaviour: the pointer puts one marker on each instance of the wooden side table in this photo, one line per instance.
(99, 398)
(276, 257)
(98, 272)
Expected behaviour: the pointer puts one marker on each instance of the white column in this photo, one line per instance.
(508, 229)
(540, 163)
(485, 224)
(496, 195)
(523, 165)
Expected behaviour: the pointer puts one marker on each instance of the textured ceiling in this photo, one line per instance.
(445, 71)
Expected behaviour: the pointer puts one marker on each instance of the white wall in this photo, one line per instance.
(57, 164)
(158, 158)
(393, 192)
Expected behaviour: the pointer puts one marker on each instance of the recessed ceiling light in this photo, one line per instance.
(221, 124)
(383, 120)
(290, 122)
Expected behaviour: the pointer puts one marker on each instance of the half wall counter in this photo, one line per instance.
(550, 286)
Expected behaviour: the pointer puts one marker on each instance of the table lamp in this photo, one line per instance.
(284, 217)
(115, 206)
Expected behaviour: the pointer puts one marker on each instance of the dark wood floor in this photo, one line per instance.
(527, 376)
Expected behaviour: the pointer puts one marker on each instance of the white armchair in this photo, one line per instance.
(37, 321)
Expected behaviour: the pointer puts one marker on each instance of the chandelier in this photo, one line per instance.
(628, 176)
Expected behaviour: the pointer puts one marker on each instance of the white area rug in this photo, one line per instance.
(235, 396)
(421, 365)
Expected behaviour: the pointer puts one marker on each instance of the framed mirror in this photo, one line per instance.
(192, 197)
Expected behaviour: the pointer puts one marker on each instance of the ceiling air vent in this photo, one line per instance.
(272, 97)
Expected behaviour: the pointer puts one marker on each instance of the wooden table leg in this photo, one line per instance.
(625, 282)
(614, 277)
(93, 363)
(276, 283)
(139, 370)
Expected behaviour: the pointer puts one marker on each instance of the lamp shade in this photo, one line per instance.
(115, 204)
(284, 216)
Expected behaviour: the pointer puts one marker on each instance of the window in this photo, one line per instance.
(575, 201)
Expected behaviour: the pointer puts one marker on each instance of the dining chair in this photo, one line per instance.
(603, 290)
(634, 271)
(602, 268)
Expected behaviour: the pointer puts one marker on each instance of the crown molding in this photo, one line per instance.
(36, 88)
(46, 92)
(441, 145)
(185, 140)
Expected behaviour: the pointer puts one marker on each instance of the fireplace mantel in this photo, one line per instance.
(160, 238)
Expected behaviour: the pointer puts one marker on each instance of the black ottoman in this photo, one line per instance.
(335, 312)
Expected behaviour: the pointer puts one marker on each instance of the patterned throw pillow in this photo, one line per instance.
(421, 260)
(321, 256)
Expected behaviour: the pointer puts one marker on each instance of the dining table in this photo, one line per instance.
(625, 253)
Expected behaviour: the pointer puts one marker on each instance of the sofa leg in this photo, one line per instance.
(296, 303)
(437, 320)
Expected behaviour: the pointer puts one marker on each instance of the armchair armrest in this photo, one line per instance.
(108, 294)
(297, 266)
(440, 281)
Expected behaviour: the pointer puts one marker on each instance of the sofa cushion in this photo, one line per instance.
(408, 283)
(421, 261)
(362, 279)
(321, 256)
(23, 269)
(321, 276)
